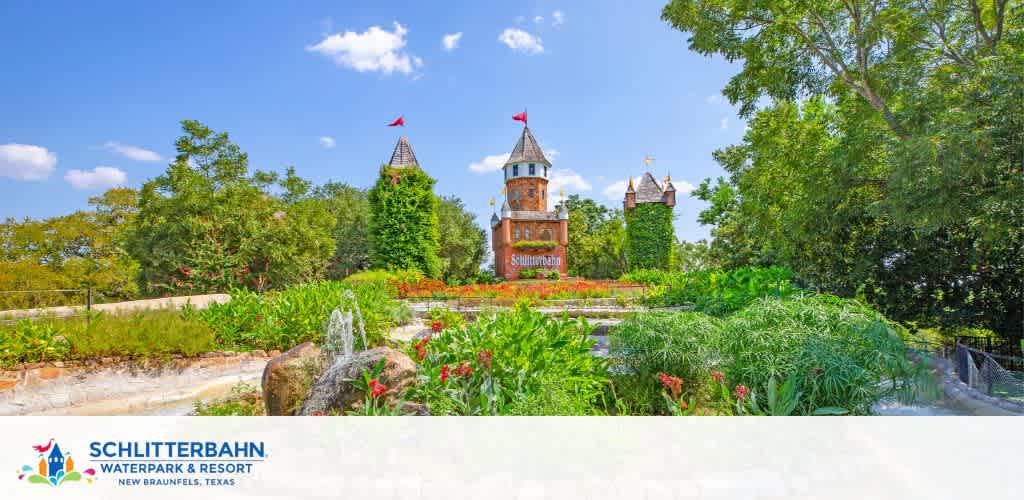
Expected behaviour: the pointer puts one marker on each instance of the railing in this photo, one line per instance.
(35, 299)
(994, 374)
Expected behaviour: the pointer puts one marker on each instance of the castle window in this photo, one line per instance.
(532, 193)
(515, 194)
(545, 170)
(533, 169)
(542, 194)
(515, 170)
(527, 233)
(517, 234)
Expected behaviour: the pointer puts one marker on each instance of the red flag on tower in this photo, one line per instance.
(400, 122)
(520, 117)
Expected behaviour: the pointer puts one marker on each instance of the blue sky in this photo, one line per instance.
(93, 93)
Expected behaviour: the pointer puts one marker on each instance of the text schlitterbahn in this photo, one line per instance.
(177, 463)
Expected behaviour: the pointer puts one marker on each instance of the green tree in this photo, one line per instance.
(597, 238)
(463, 243)
(207, 224)
(351, 210)
(403, 228)
(78, 250)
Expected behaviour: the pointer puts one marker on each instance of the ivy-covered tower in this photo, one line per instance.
(649, 232)
(403, 228)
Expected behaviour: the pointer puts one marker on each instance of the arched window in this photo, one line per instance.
(527, 233)
(517, 234)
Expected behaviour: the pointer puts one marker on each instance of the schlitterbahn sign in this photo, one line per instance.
(536, 260)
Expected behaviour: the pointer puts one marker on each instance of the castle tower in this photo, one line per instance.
(649, 205)
(527, 235)
(55, 462)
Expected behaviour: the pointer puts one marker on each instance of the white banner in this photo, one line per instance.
(516, 458)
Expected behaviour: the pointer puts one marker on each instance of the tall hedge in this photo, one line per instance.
(403, 228)
(649, 236)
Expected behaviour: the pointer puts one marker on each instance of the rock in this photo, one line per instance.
(7, 384)
(288, 377)
(334, 390)
(415, 409)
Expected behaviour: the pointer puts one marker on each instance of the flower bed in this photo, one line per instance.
(515, 291)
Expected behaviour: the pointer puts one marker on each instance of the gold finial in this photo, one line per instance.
(631, 182)
(561, 192)
(648, 159)
(491, 202)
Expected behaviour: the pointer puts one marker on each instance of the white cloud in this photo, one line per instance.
(714, 99)
(568, 180)
(133, 152)
(551, 154)
(538, 19)
(26, 162)
(375, 49)
(327, 142)
(491, 163)
(450, 41)
(616, 190)
(559, 18)
(683, 187)
(97, 178)
(521, 41)
(724, 124)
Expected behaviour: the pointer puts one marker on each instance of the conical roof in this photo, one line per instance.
(648, 191)
(527, 150)
(403, 155)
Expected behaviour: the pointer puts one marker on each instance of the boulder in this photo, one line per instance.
(288, 377)
(334, 390)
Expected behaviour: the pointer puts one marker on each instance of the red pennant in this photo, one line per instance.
(400, 122)
(520, 117)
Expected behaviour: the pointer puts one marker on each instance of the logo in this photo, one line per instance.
(54, 467)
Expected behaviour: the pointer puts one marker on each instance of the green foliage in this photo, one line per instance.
(154, 333)
(283, 319)
(534, 244)
(540, 273)
(597, 239)
(463, 243)
(245, 401)
(838, 354)
(715, 292)
(351, 211)
(30, 341)
(506, 361)
(649, 236)
(207, 225)
(398, 276)
(898, 177)
(446, 317)
(404, 229)
(79, 250)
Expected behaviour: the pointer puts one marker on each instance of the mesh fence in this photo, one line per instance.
(988, 373)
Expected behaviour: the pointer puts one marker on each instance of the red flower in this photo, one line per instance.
(463, 369)
(420, 354)
(741, 392)
(377, 389)
(435, 326)
(672, 383)
(444, 374)
(717, 375)
(317, 414)
(485, 358)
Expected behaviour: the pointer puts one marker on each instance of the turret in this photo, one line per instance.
(670, 192)
(630, 202)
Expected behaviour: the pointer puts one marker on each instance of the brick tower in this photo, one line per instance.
(527, 235)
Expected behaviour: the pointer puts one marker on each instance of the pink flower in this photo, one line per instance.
(717, 375)
(741, 392)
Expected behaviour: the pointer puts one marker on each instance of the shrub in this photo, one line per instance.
(554, 275)
(407, 276)
(649, 236)
(154, 333)
(716, 292)
(404, 229)
(501, 363)
(245, 401)
(838, 352)
(534, 244)
(286, 318)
